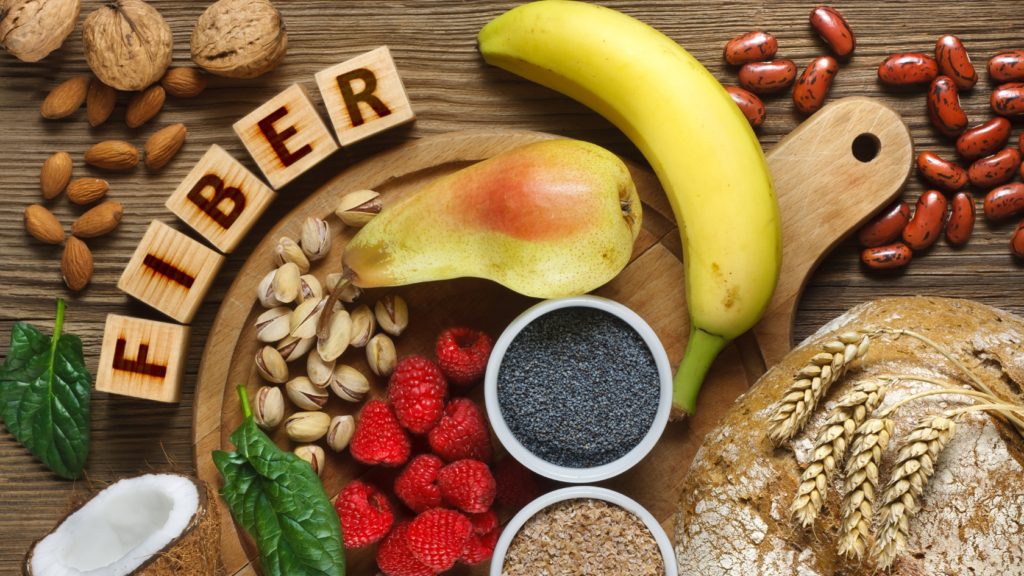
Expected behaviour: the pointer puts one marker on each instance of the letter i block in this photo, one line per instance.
(220, 199)
(171, 272)
(143, 358)
(286, 136)
(364, 96)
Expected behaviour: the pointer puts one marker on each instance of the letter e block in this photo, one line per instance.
(286, 136)
(143, 358)
(364, 96)
(220, 199)
(171, 272)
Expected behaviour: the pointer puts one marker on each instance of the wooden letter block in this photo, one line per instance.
(364, 96)
(220, 199)
(143, 358)
(171, 272)
(286, 136)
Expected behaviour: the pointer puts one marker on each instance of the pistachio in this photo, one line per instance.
(268, 407)
(286, 282)
(273, 324)
(307, 426)
(350, 293)
(381, 355)
(319, 371)
(265, 291)
(358, 208)
(305, 395)
(270, 364)
(309, 287)
(288, 251)
(349, 384)
(305, 317)
(316, 239)
(363, 325)
(392, 314)
(292, 348)
(341, 334)
(314, 455)
(340, 432)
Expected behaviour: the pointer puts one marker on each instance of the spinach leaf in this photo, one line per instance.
(44, 395)
(280, 501)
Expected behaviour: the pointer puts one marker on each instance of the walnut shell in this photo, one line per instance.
(127, 44)
(31, 29)
(239, 38)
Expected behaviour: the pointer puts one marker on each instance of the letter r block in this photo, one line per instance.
(286, 136)
(220, 199)
(364, 96)
(143, 358)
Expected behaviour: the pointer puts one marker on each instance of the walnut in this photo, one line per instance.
(127, 44)
(239, 38)
(31, 29)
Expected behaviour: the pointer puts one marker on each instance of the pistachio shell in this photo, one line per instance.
(309, 287)
(358, 208)
(271, 366)
(292, 348)
(339, 433)
(305, 318)
(288, 251)
(392, 314)
(319, 371)
(305, 395)
(341, 334)
(314, 455)
(286, 283)
(265, 291)
(268, 407)
(350, 293)
(363, 325)
(349, 384)
(316, 239)
(274, 324)
(307, 426)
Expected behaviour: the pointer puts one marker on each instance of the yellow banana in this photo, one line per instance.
(698, 142)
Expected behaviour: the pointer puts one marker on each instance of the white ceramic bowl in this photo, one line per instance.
(562, 473)
(512, 528)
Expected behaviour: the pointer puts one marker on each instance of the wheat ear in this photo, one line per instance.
(869, 444)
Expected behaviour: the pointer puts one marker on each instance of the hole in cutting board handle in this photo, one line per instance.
(865, 147)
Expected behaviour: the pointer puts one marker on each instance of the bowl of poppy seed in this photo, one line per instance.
(578, 389)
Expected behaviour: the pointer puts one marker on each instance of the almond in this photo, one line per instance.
(100, 102)
(144, 105)
(184, 82)
(65, 98)
(76, 264)
(163, 145)
(113, 155)
(55, 174)
(42, 224)
(98, 221)
(86, 190)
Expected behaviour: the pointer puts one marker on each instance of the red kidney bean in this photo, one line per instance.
(929, 217)
(908, 68)
(983, 140)
(886, 226)
(767, 77)
(1005, 201)
(1008, 99)
(813, 85)
(954, 61)
(940, 173)
(995, 169)
(1007, 66)
(751, 47)
(961, 219)
(891, 256)
(750, 105)
(944, 107)
(833, 29)
(1017, 241)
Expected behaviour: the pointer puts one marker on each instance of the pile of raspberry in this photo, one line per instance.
(450, 487)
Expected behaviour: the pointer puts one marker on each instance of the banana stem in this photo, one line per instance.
(701, 350)
(323, 328)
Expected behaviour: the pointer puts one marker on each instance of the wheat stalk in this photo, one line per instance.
(869, 444)
(813, 381)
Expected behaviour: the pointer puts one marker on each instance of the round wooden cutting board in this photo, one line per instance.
(824, 193)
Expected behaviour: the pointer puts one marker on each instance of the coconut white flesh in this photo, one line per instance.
(119, 529)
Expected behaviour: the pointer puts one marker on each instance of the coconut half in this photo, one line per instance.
(148, 525)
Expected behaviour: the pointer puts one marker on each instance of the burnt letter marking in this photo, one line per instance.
(161, 267)
(220, 193)
(352, 100)
(138, 365)
(277, 139)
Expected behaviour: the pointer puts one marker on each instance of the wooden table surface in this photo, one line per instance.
(434, 46)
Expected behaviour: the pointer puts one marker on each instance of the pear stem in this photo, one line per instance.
(323, 328)
(701, 350)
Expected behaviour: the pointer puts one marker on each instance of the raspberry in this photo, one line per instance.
(365, 513)
(461, 433)
(463, 353)
(394, 557)
(378, 438)
(417, 391)
(467, 485)
(479, 548)
(483, 522)
(415, 485)
(437, 537)
(515, 484)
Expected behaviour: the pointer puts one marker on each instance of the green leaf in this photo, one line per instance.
(44, 396)
(280, 501)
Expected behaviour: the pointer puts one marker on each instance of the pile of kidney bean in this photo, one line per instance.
(991, 165)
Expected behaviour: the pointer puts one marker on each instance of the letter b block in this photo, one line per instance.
(364, 96)
(143, 358)
(220, 199)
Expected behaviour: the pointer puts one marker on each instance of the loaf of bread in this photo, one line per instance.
(734, 513)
